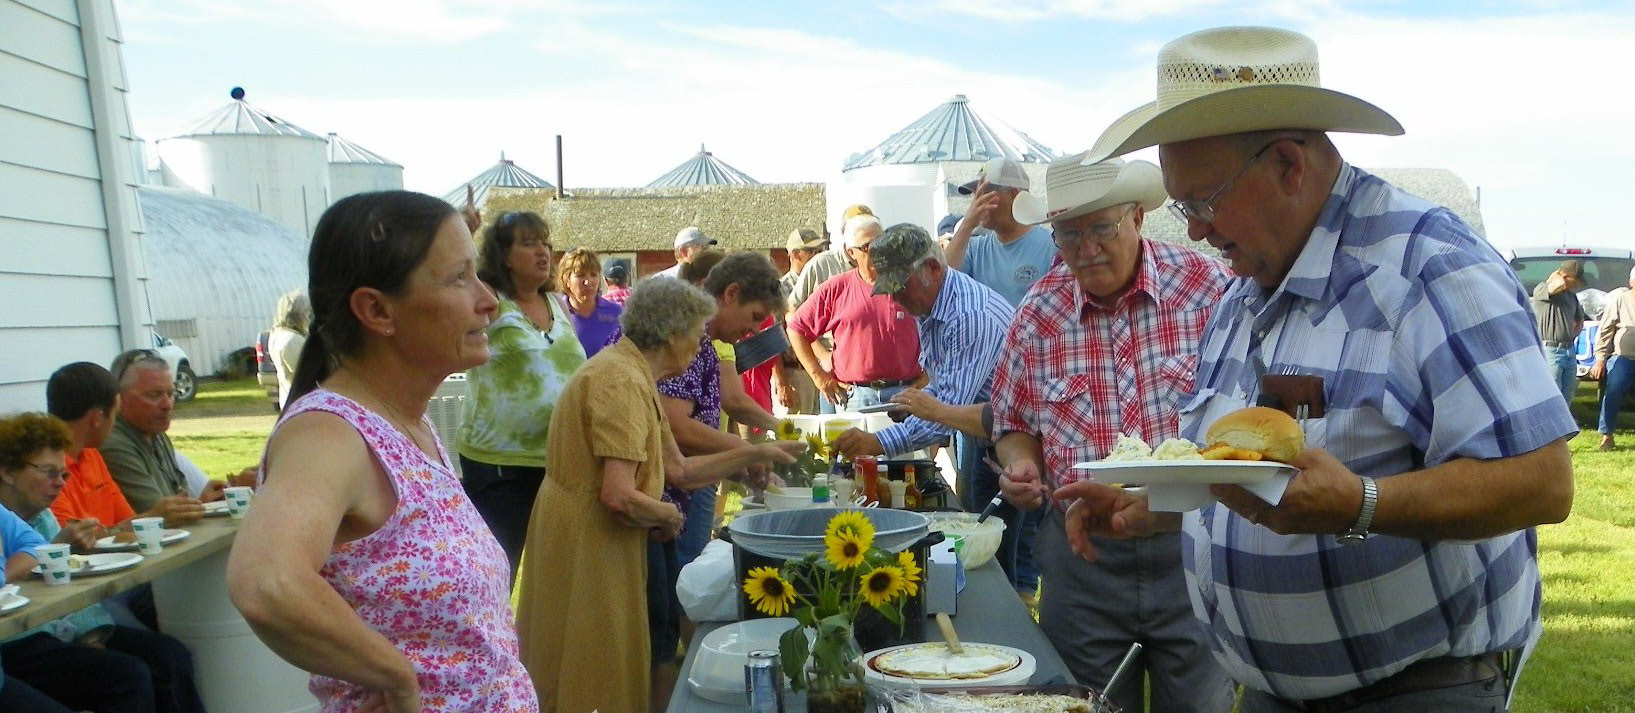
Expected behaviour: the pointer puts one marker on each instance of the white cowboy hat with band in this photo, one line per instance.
(1230, 80)
(1073, 188)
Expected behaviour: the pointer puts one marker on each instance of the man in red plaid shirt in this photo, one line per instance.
(1105, 343)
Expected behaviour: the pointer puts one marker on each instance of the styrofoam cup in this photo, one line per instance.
(150, 531)
(53, 563)
(238, 501)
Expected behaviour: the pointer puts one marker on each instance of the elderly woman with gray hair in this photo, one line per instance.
(289, 334)
(584, 625)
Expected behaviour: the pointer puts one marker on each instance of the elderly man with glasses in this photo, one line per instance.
(1399, 570)
(1105, 345)
(139, 455)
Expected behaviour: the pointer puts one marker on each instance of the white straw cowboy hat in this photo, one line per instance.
(1073, 188)
(1229, 80)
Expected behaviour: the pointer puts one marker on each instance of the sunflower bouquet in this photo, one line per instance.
(808, 463)
(825, 593)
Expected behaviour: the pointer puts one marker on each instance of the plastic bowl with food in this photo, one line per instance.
(978, 542)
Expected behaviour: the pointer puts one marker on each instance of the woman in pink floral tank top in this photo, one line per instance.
(362, 560)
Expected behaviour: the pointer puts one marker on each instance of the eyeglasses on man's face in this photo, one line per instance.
(1099, 232)
(1204, 211)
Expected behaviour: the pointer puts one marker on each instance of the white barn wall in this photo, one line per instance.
(70, 267)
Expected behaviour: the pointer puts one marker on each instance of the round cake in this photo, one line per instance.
(934, 662)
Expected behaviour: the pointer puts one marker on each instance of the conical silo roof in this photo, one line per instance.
(240, 117)
(504, 174)
(703, 169)
(343, 151)
(953, 132)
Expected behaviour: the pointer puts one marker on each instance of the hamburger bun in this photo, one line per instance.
(1255, 433)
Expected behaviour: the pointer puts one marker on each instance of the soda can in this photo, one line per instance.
(763, 679)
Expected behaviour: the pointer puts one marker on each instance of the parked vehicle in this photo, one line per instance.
(265, 373)
(187, 385)
(1605, 270)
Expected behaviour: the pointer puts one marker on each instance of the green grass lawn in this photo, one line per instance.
(1585, 662)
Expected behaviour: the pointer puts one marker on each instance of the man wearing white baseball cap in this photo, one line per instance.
(689, 242)
(1007, 255)
(1399, 570)
(1103, 345)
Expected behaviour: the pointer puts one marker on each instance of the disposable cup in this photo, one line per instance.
(53, 563)
(149, 533)
(238, 501)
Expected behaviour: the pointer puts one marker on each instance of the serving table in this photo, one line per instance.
(987, 611)
(233, 669)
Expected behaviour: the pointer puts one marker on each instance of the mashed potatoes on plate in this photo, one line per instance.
(1129, 448)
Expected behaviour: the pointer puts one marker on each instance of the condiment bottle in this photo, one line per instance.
(820, 489)
(911, 494)
(868, 470)
(899, 493)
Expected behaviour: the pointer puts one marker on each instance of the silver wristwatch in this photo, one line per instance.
(1359, 531)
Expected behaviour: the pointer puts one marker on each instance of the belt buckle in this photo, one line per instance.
(878, 384)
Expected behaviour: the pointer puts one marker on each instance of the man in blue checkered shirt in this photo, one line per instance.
(1399, 570)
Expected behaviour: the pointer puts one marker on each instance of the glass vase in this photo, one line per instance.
(838, 691)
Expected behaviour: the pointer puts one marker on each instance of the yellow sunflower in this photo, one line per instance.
(844, 550)
(881, 585)
(854, 522)
(768, 591)
(816, 446)
(787, 431)
(911, 572)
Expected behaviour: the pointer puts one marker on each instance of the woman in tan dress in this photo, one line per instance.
(583, 613)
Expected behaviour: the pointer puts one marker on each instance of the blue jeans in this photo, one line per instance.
(695, 533)
(868, 396)
(1620, 374)
(1563, 369)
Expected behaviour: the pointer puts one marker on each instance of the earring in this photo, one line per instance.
(389, 331)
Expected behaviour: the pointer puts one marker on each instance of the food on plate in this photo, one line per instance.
(997, 703)
(125, 537)
(1130, 448)
(1255, 433)
(77, 562)
(933, 661)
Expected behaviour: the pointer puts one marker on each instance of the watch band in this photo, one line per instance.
(1365, 517)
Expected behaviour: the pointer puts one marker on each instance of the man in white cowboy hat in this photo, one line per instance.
(690, 241)
(1007, 255)
(1398, 571)
(1104, 345)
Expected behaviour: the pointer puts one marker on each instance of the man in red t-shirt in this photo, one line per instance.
(876, 342)
(84, 395)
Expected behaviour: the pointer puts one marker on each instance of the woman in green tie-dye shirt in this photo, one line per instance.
(509, 400)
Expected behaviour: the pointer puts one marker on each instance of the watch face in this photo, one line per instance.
(1352, 538)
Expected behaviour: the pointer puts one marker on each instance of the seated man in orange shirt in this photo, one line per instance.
(84, 395)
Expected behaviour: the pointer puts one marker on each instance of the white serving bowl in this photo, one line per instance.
(980, 542)
(789, 499)
(718, 668)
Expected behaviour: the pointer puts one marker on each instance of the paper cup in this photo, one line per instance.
(149, 531)
(53, 563)
(238, 501)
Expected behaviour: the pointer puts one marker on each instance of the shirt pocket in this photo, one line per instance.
(1178, 374)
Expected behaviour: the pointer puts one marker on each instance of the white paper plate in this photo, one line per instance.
(216, 508)
(882, 407)
(100, 564)
(171, 537)
(1196, 472)
(10, 601)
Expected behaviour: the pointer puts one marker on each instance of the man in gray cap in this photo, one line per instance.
(962, 325)
(689, 242)
(1398, 571)
(1560, 319)
(1102, 347)
(1009, 256)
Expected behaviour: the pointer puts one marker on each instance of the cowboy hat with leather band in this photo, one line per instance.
(1073, 189)
(1231, 80)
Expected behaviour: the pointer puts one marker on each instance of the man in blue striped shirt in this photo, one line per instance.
(1399, 570)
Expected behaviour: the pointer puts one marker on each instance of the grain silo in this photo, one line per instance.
(355, 169)
(249, 157)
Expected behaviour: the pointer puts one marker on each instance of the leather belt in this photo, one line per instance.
(1425, 675)
(883, 383)
(1557, 345)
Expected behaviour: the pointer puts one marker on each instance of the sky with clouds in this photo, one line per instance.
(1527, 100)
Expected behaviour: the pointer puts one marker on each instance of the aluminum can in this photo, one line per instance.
(763, 679)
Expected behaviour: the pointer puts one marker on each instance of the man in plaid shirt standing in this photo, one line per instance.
(1399, 570)
(1105, 343)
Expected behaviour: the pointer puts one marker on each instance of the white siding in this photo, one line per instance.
(60, 299)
